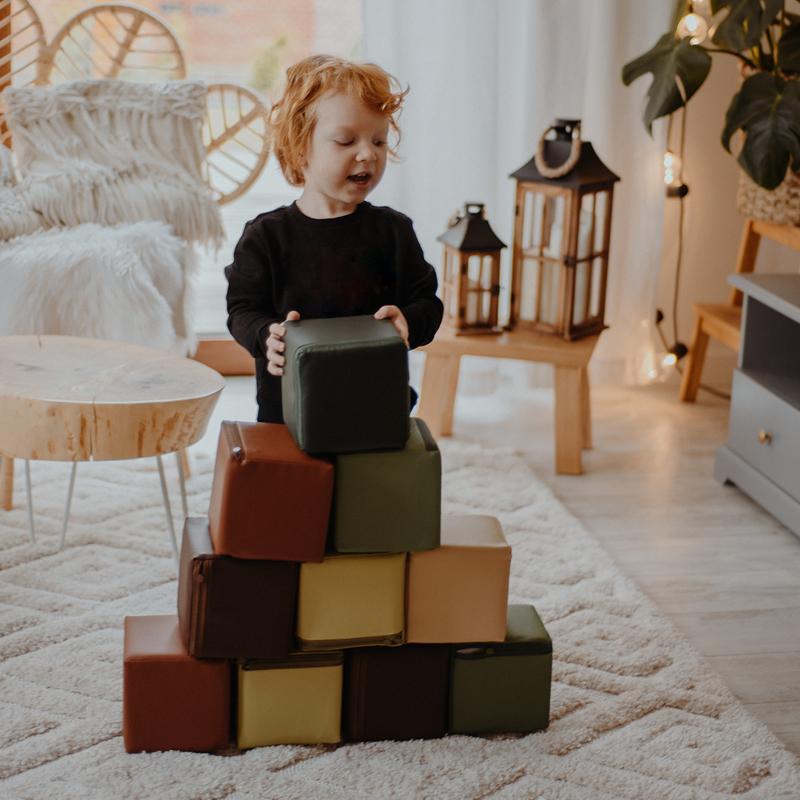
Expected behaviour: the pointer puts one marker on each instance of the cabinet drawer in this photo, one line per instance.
(765, 432)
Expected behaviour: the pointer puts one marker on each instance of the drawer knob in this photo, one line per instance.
(764, 437)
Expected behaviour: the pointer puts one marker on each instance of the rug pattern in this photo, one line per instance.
(636, 713)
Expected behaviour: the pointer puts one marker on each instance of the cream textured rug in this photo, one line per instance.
(636, 714)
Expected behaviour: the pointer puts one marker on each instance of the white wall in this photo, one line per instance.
(712, 225)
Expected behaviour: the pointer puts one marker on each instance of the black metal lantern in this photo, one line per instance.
(471, 277)
(559, 265)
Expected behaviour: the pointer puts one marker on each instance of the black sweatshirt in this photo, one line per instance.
(338, 267)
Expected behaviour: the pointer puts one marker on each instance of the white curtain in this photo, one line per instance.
(486, 79)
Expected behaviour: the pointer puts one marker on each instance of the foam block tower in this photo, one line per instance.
(324, 598)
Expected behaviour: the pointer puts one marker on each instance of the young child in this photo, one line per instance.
(330, 253)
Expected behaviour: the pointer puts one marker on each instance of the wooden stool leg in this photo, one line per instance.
(438, 392)
(569, 420)
(183, 457)
(693, 370)
(586, 410)
(7, 483)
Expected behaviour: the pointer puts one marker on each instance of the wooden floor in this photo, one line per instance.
(720, 568)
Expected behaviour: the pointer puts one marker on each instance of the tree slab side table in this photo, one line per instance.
(64, 398)
(573, 427)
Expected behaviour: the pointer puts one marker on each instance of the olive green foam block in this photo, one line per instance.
(389, 501)
(503, 687)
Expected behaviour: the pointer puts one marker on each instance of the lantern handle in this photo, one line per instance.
(574, 154)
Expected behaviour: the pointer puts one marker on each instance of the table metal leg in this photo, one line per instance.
(31, 531)
(167, 508)
(182, 477)
(69, 504)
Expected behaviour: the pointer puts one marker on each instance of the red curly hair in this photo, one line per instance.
(292, 118)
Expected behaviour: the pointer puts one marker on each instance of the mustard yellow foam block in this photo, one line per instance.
(297, 700)
(351, 601)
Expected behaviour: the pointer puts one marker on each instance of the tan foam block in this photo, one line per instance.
(459, 591)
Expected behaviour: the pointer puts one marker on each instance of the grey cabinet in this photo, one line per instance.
(762, 454)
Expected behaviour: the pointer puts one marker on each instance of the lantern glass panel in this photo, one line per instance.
(475, 272)
(474, 287)
(531, 210)
(586, 230)
(486, 294)
(553, 226)
(540, 286)
(597, 285)
(531, 268)
(583, 290)
(543, 222)
(549, 303)
(452, 277)
(600, 222)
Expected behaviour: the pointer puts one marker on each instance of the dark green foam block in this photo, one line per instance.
(345, 385)
(503, 687)
(388, 501)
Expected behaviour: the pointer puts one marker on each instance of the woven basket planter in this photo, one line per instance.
(781, 205)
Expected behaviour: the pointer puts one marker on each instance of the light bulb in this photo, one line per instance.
(674, 354)
(672, 168)
(692, 27)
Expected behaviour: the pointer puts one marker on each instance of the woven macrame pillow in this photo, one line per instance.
(16, 218)
(111, 152)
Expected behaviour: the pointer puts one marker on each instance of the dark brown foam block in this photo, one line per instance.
(396, 692)
(233, 607)
(171, 701)
(269, 499)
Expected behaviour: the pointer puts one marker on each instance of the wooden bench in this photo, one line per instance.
(723, 321)
(573, 427)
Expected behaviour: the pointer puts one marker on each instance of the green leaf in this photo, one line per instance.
(767, 110)
(789, 49)
(670, 61)
(745, 22)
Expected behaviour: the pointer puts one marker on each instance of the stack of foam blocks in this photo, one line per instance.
(324, 598)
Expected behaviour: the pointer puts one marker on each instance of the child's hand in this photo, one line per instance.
(394, 314)
(275, 345)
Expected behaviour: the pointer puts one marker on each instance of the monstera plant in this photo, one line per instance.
(765, 38)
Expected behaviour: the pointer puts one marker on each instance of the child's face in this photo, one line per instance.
(346, 153)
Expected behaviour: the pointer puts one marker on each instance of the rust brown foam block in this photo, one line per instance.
(269, 499)
(171, 701)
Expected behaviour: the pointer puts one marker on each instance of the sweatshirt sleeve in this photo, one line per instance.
(420, 306)
(251, 308)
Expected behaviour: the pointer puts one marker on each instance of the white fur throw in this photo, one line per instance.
(130, 283)
(110, 151)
